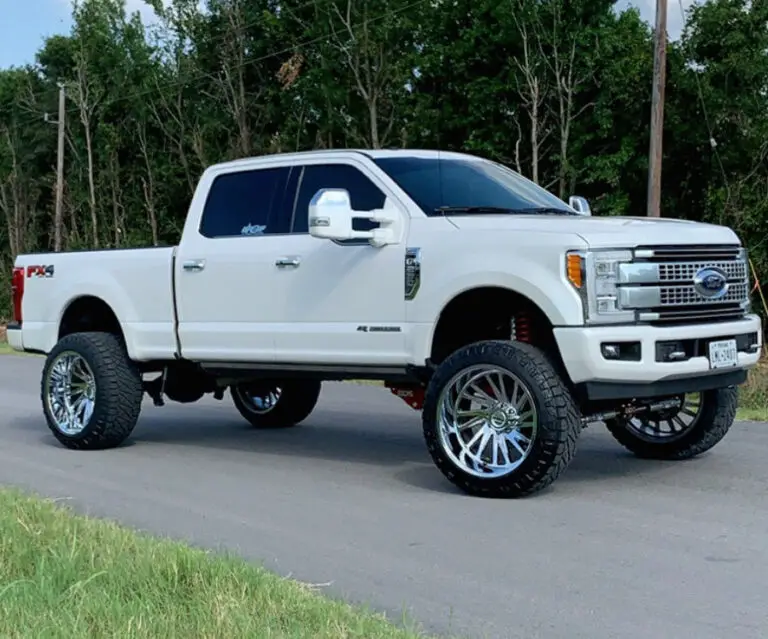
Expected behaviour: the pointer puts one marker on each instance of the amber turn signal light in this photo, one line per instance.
(574, 262)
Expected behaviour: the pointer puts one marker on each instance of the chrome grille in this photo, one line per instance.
(686, 271)
(687, 295)
(690, 253)
(659, 285)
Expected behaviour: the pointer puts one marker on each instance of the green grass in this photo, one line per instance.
(67, 576)
(753, 396)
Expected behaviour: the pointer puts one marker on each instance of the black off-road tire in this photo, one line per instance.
(559, 422)
(297, 400)
(718, 412)
(118, 395)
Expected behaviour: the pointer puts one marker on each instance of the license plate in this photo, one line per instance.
(723, 354)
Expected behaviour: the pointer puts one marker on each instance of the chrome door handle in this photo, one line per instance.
(194, 265)
(283, 262)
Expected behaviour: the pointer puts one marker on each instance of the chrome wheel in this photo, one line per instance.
(260, 400)
(668, 425)
(70, 392)
(487, 421)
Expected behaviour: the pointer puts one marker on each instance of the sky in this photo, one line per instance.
(25, 23)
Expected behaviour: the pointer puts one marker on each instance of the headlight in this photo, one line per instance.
(595, 274)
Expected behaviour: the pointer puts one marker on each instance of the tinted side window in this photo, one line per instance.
(364, 195)
(246, 203)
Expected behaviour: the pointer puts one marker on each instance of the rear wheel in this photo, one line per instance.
(697, 424)
(498, 420)
(269, 404)
(91, 391)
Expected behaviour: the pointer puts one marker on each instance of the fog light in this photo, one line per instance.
(623, 351)
(672, 352)
(611, 351)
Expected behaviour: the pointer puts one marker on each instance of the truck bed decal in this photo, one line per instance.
(40, 271)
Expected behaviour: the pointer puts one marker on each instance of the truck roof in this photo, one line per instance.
(371, 153)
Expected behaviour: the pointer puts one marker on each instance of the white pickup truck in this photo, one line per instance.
(508, 317)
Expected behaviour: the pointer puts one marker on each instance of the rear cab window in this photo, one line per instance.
(247, 203)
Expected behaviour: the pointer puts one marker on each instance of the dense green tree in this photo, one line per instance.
(558, 89)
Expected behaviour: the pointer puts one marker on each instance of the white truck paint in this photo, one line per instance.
(285, 295)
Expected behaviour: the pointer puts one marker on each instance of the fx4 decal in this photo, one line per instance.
(40, 271)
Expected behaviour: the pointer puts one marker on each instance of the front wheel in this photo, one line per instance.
(498, 420)
(267, 404)
(697, 424)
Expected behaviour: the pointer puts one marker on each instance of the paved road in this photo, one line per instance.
(617, 548)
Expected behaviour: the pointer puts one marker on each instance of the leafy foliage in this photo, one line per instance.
(559, 90)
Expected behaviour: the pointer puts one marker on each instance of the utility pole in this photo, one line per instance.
(58, 222)
(657, 110)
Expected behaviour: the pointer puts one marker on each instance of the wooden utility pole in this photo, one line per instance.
(58, 221)
(657, 110)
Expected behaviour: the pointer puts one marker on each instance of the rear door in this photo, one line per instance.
(226, 279)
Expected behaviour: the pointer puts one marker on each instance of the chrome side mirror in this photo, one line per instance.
(331, 215)
(579, 204)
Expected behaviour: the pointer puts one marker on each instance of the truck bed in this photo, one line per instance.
(137, 284)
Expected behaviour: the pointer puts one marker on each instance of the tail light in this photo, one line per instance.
(17, 292)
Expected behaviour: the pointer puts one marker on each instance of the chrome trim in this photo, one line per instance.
(193, 265)
(666, 283)
(683, 272)
(635, 297)
(691, 253)
(69, 393)
(412, 272)
(638, 273)
(292, 261)
(643, 297)
(487, 421)
(711, 283)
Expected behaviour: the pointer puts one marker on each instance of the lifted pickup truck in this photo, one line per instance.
(508, 317)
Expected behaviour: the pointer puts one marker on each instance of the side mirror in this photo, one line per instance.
(331, 215)
(579, 204)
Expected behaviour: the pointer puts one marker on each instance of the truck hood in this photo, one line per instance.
(604, 232)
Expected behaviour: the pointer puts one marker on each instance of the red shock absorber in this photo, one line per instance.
(523, 327)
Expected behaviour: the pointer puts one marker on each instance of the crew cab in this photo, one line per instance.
(510, 318)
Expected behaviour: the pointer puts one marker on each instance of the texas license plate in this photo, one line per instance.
(723, 354)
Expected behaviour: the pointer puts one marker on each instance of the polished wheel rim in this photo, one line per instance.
(487, 421)
(671, 424)
(70, 392)
(260, 401)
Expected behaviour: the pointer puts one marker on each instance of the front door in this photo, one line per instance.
(342, 302)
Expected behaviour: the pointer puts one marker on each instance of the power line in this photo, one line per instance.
(275, 54)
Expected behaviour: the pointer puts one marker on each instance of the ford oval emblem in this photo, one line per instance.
(711, 282)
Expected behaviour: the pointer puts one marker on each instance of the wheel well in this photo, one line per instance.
(90, 313)
(492, 313)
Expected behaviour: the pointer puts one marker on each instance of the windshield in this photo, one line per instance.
(445, 186)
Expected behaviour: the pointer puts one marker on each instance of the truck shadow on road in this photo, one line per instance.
(391, 445)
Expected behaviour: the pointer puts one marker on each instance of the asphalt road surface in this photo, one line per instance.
(617, 548)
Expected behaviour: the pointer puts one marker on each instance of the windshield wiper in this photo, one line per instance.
(473, 209)
(547, 211)
(500, 209)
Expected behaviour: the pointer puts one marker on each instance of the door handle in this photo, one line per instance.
(194, 265)
(283, 262)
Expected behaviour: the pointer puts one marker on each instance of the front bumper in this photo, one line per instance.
(580, 348)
